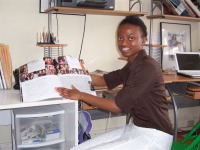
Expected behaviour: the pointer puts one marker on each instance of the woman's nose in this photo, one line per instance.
(124, 42)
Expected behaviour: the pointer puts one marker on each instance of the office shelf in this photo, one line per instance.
(123, 58)
(52, 50)
(51, 45)
(173, 17)
(72, 10)
(155, 45)
(48, 144)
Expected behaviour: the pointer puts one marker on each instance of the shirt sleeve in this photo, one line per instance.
(139, 83)
(115, 78)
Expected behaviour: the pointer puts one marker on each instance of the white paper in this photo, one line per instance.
(80, 82)
(73, 62)
(41, 88)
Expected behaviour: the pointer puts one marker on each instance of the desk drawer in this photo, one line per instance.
(38, 127)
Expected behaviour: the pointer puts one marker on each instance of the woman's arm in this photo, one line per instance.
(98, 80)
(102, 103)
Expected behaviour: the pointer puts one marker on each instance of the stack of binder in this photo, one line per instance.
(5, 67)
(178, 7)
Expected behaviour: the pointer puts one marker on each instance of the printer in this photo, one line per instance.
(98, 4)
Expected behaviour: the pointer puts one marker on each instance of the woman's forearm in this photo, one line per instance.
(102, 103)
(98, 80)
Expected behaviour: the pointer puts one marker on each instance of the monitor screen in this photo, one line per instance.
(188, 61)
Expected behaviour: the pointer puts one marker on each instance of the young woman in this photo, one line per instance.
(142, 96)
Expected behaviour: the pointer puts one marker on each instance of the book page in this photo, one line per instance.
(40, 88)
(35, 66)
(82, 82)
(73, 62)
(39, 78)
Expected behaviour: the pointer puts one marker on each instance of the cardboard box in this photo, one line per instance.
(193, 87)
(193, 94)
(193, 91)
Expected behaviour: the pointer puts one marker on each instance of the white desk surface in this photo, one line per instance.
(10, 99)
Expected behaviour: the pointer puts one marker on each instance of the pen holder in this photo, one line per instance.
(16, 76)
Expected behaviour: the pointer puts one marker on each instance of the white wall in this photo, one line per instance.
(20, 20)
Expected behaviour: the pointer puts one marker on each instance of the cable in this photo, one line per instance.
(57, 27)
(82, 37)
(83, 29)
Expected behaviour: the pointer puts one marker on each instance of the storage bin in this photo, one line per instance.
(38, 127)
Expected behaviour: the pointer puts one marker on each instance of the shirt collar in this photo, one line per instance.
(139, 57)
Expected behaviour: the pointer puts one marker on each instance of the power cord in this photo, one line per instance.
(57, 37)
(82, 37)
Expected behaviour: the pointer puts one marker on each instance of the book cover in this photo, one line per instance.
(179, 7)
(6, 65)
(193, 7)
(1, 80)
(168, 8)
(2, 77)
(190, 11)
(38, 79)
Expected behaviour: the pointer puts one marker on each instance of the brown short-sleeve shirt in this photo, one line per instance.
(143, 93)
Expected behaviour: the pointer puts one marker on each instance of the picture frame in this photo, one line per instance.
(177, 38)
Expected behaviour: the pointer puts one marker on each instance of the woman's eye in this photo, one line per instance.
(120, 38)
(131, 38)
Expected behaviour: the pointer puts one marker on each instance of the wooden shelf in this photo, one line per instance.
(155, 45)
(51, 45)
(105, 88)
(123, 58)
(174, 17)
(72, 10)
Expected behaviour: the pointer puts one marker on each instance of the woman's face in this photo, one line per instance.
(130, 40)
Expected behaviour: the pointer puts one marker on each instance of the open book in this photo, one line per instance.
(38, 79)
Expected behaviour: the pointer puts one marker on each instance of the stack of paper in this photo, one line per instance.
(5, 67)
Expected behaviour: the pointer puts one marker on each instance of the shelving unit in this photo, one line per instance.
(162, 16)
(70, 10)
(52, 50)
(82, 10)
(39, 126)
(170, 17)
(67, 113)
(173, 17)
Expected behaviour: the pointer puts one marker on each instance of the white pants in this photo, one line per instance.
(129, 137)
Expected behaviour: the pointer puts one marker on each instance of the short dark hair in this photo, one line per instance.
(135, 20)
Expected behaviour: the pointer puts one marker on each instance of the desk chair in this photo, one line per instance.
(192, 135)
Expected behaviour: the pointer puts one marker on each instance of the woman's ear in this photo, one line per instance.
(144, 39)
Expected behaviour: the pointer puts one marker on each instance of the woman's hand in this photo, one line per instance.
(69, 93)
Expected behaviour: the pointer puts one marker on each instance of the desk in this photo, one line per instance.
(10, 99)
(175, 79)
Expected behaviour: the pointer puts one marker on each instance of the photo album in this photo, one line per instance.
(39, 78)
